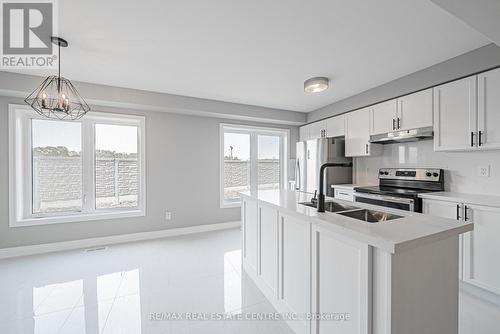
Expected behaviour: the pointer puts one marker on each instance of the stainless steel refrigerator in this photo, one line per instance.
(311, 155)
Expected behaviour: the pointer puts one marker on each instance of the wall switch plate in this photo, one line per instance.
(483, 171)
(168, 215)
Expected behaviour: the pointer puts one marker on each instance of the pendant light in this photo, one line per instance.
(56, 97)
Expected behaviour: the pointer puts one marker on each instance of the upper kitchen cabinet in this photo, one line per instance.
(488, 134)
(357, 134)
(335, 126)
(383, 117)
(409, 112)
(455, 115)
(304, 133)
(415, 110)
(313, 131)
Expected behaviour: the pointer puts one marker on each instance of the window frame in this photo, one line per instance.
(254, 132)
(20, 169)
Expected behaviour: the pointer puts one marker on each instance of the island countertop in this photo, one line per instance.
(412, 230)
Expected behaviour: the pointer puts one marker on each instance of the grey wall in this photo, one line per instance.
(460, 167)
(182, 176)
(463, 65)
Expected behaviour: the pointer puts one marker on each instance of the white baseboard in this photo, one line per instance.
(115, 239)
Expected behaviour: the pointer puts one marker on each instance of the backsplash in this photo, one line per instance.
(461, 168)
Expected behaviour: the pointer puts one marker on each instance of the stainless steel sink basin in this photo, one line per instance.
(370, 216)
(331, 206)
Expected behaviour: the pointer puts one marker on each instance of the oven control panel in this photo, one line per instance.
(416, 174)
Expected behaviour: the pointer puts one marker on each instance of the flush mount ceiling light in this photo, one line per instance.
(316, 85)
(56, 97)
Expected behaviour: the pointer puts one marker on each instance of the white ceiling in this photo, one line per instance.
(256, 52)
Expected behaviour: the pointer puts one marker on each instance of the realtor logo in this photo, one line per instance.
(26, 31)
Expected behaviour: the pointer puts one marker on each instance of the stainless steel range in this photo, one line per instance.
(399, 188)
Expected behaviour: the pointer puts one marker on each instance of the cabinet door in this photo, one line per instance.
(295, 266)
(304, 133)
(357, 133)
(383, 117)
(341, 282)
(415, 110)
(335, 126)
(450, 210)
(250, 225)
(482, 249)
(268, 248)
(455, 115)
(489, 109)
(317, 130)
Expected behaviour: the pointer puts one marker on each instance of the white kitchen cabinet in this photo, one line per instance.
(383, 117)
(268, 248)
(250, 233)
(335, 126)
(313, 131)
(341, 281)
(489, 110)
(304, 133)
(344, 194)
(415, 110)
(481, 249)
(451, 210)
(357, 134)
(477, 248)
(295, 261)
(455, 115)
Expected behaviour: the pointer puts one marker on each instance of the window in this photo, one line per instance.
(252, 158)
(64, 171)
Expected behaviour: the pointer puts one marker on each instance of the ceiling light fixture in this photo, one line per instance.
(316, 85)
(56, 97)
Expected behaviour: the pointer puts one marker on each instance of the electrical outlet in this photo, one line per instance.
(168, 215)
(483, 171)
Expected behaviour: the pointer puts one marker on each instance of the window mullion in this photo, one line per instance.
(88, 157)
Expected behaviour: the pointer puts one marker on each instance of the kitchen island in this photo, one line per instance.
(333, 273)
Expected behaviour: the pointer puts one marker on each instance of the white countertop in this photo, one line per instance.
(351, 186)
(413, 230)
(488, 200)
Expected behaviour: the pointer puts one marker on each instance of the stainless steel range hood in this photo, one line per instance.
(403, 136)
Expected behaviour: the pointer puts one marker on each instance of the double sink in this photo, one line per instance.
(366, 215)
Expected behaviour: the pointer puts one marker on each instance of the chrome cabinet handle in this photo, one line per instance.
(472, 139)
(366, 148)
(399, 123)
(480, 138)
(465, 213)
(458, 212)
(394, 124)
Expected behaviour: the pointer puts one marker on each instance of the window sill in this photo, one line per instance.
(77, 218)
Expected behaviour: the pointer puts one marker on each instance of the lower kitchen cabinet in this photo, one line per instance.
(341, 281)
(478, 247)
(451, 210)
(295, 260)
(481, 247)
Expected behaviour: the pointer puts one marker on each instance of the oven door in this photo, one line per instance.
(402, 203)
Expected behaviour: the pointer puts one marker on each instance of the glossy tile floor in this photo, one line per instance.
(129, 288)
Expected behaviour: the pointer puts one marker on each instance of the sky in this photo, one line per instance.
(118, 138)
(268, 146)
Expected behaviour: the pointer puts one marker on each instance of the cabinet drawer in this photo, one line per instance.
(343, 194)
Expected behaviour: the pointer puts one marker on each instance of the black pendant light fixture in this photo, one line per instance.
(56, 97)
